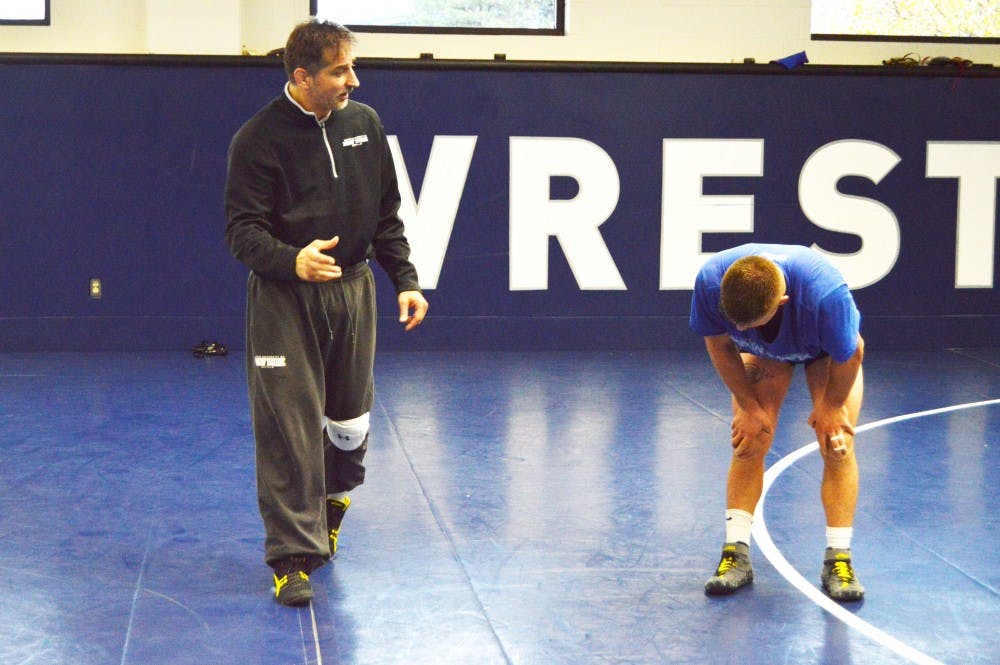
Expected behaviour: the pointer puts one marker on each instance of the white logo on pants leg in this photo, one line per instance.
(269, 362)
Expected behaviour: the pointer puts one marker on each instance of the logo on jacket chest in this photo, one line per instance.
(361, 139)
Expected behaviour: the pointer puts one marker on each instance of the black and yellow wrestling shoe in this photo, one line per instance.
(335, 509)
(291, 581)
(734, 570)
(838, 578)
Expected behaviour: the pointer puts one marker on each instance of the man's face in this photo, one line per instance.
(330, 87)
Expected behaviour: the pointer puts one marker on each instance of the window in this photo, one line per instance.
(907, 20)
(524, 17)
(24, 12)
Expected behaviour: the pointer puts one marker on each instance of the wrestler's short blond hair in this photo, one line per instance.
(750, 288)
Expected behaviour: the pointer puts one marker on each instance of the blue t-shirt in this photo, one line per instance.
(820, 315)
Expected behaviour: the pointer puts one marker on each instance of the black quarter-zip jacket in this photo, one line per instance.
(292, 179)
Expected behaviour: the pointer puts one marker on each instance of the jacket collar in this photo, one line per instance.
(288, 96)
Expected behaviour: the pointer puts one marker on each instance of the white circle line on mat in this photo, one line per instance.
(811, 591)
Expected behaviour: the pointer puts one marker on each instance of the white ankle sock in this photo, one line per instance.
(839, 537)
(738, 523)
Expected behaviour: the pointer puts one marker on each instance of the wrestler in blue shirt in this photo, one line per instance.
(764, 308)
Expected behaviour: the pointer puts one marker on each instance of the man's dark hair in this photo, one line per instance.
(308, 43)
(750, 287)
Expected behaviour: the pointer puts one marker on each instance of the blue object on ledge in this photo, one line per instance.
(794, 60)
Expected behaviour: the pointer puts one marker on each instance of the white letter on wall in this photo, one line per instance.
(977, 167)
(687, 213)
(429, 222)
(871, 220)
(534, 217)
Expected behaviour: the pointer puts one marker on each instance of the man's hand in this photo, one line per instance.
(832, 428)
(412, 308)
(312, 265)
(750, 428)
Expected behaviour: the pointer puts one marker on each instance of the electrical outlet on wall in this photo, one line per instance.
(95, 288)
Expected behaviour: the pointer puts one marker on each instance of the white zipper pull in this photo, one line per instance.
(329, 150)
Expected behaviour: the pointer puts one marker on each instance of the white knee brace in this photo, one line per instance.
(348, 434)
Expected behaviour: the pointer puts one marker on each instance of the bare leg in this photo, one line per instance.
(769, 380)
(745, 483)
(839, 491)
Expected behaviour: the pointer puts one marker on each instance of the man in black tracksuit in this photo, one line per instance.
(311, 195)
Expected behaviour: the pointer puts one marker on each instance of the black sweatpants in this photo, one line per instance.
(310, 353)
